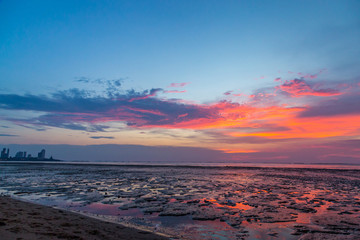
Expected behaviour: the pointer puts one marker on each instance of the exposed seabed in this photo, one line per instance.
(200, 202)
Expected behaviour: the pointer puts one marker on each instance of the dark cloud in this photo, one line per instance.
(66, 121)
(28, 102)
(8, 135)
(23, 123)
(101, 137)
(112, 88)
(73, 93)
(83, 79)
(344, 105)
(82, 110)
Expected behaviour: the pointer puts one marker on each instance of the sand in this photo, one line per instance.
(23, 220)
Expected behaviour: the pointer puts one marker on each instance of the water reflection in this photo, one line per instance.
(196, 203)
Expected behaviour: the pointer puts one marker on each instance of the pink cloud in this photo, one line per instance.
(299, 88)
(228, 93)
(175, 91)
(183, 84)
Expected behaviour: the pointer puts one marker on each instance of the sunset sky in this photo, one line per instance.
(254, 81)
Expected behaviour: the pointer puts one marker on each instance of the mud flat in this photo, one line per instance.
(23, 220)
(201, 202)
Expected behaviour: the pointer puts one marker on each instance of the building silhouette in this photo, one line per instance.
(24, 156)
(20, 154)
(5, 153)
(41, 154)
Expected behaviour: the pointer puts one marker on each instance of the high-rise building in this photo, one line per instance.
(41, 155)
(19, 155)
(4, 153)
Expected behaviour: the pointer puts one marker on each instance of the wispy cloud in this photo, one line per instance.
(8, 135)
(177, 85)
(175, 91)
(101, 137)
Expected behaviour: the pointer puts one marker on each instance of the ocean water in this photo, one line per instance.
(221, 201)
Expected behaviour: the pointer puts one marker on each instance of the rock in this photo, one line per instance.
(205, 214)
(151, 210)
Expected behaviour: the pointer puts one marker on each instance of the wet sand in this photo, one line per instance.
(23, 220)
(201, 202)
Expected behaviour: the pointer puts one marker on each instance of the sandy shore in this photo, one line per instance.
(23, 220)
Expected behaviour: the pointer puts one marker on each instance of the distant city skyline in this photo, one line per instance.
(5, 154)
(252, 81)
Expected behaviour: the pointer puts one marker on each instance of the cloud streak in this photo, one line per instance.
(177, 85)
(101, 137)
(8, 135)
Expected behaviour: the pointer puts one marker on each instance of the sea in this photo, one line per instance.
(199, 201)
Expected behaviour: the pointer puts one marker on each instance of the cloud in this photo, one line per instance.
(77, 109)
(101, 137)
(263, 118)
(300, 88)
(112, 87)
(345, 105)
(176, 85)
(83, 79)
(175, 91)
(248, 135)
(147, 93)
(8, 135)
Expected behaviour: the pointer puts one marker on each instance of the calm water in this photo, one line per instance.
(243, 201)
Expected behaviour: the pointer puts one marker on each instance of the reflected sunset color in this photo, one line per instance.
(188, 120)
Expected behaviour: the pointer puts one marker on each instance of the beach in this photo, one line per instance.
(185, 202)
(24, 220)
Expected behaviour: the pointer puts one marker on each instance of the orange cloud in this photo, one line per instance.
(237, 151)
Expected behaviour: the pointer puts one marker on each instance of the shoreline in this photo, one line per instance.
(294, 166)
(25, 220)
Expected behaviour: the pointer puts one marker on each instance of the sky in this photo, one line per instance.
(243, 81)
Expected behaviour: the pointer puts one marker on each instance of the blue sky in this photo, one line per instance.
(214, 47)
(48, 44)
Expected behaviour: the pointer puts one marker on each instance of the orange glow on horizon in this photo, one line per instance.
(237, 151)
